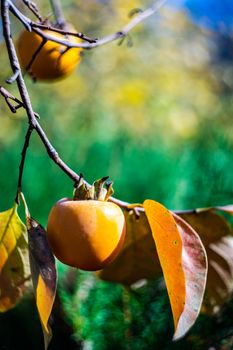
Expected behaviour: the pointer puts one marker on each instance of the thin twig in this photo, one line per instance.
(29, 25)
(21, 166)
(35, 54)
(58, 13)
(9, 97)
(13, 78)
(34, 9)
(23, 19)
(96, 43)
(63, 32)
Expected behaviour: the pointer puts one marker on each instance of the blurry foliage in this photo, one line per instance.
(157, 118)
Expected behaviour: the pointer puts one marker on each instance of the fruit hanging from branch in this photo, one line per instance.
(48, 60)
(87, 232)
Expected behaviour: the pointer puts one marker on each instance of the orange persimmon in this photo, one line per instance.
(87, 234)
(53, 61)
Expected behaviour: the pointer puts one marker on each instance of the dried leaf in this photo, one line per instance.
(216, 235)
(44, 274)
(183, 261)
(138, 258)
(15, 272)
(11, 229)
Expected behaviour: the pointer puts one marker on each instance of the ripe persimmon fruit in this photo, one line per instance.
(53, 61)
(87, 233)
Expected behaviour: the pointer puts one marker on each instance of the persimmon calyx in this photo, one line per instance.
(100, 190)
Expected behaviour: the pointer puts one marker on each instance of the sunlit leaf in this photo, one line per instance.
(15, 272)
(44, 274)
(11, 229)
(169, 247)
(138, 258)
(14, 265)
(183, 260)
(216, 235)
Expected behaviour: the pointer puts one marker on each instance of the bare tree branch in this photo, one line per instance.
(9, 97)
(61, 31)
(89, 44)
(33, 8)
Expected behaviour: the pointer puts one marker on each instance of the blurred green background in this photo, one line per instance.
(157, 118)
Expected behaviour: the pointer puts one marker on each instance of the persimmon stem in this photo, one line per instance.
(28, 215)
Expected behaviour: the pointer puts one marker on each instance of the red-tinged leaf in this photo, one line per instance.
(44, 274)
(194, 262)
(216, 235)
(180, 252)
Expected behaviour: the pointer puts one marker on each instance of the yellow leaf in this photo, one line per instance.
(138, 257)
(14, 264)
(44, 274)
(11, 229)
(15, 275)
(183, 261)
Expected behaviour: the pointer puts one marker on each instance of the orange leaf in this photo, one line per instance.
(180, 252)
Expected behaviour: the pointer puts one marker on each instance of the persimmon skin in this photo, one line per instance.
(87, 234)
(50, 63)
